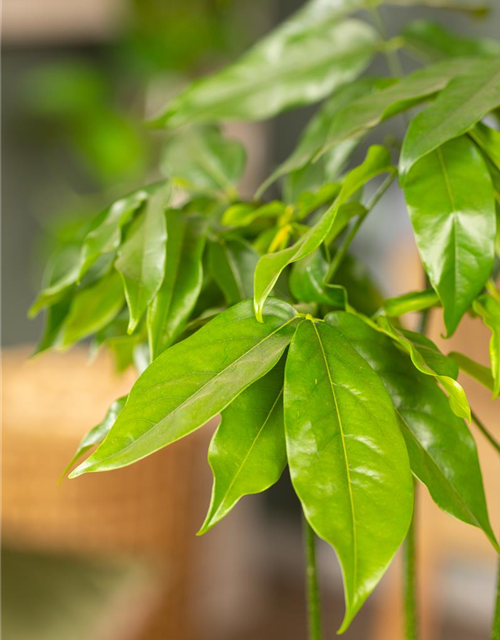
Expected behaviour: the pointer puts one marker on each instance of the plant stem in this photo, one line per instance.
(495, 630)
(313, 605)
(410, 554)
(410, 587)
(341, 253)
(485, 433)
(392, 57)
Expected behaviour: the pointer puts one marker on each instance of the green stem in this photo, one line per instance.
(341, 253)
(392, 57)
(485, 433)
(313, 605)
(495, 630)
(410, 586)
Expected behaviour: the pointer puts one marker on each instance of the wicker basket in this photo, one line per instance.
(149, 510)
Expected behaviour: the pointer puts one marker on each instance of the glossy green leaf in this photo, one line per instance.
(242, 214)
(347, 458)
(442, 450)
(247, 453)
(312, 139)
(429, 360)
(488, 307)
(355, 119)
(307, 282)
(91, 309)
(202, 159)
(106, 236)
(141, 258)
(434, 42)
(450, 200)
(489, 141)
(276, 75)
(411, 302)
(461, 105)
(473, 369)
(271, 266)
(98, 433)
(182, 283)
(193, 381)
(232, 264)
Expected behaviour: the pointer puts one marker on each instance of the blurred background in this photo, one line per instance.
(115, 557)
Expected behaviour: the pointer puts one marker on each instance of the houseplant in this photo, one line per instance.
(256, 310)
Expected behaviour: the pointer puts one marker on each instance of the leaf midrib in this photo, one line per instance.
(346, 461)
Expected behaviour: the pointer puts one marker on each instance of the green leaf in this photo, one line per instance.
(92, 308)
(141, 258)
(247, 453)
(182, 283)
(202, 159)
(362, 292)
(193, 381)
(450, 200)
(429, 360)
(410, 302)
(435, 42)
(442, 450)
(243, 214)
(106, 236)
(103, 238)
(488, 307)
(232, 264)
(347, 458)
(489, 141)
(365, 113)
(54, 320)
(307, 282)
(475, 370)
(312, 139)
(465, 101)
(276, 75)
(271, 266)
(98, 433)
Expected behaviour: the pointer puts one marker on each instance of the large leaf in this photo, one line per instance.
(193, 381)
(91, 309)
(488, 307)
(442, 451)
(463, 103)
(271, 266)
(232, 264)
(450, 200)
(141, 258)
(181, 285)
(347, 458)
(435, 42)
(276, 75)
(366, 112)
(313, 138)
(202, 159)
(97, 434)
(247, 453)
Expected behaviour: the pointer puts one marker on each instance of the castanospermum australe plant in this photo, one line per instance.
(256, 309)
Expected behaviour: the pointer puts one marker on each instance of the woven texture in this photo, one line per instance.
(149, 510)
